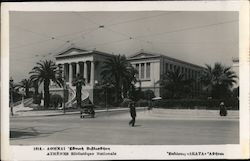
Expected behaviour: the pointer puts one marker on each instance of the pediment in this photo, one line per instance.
(71, 51)
(143, 55)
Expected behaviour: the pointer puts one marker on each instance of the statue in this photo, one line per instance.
(79, 81)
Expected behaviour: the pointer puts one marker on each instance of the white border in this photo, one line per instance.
(132, 152)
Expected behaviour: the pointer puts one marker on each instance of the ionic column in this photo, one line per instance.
(66, 70)
(92, 73)
(77, 68)
(63, 70)
(70, 72)
(85, 71)
(139, 73)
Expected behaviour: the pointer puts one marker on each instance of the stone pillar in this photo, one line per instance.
(139, 73)
(92, 72)
(70, 72)
(64, 71)
(85, 71)
(77, 68)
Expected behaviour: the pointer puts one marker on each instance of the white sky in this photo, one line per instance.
(193, 36)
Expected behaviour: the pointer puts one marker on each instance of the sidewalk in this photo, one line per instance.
(27, 112)
(143, 113)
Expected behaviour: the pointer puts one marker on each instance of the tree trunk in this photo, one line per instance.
(46, 94)
(36, 88)
(27, 92)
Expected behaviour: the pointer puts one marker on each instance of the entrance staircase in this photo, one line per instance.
(72, 97)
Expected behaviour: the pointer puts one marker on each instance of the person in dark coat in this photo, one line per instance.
(132, 113)
(223, 110)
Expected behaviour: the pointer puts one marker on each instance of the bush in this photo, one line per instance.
(142, 103)
(37, 99)
(197, 103)
(55, 100)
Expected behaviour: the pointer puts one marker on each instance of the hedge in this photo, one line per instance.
(213, 104)
(232, 104)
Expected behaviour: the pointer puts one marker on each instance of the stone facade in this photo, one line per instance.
(150, 68)
(87, 63)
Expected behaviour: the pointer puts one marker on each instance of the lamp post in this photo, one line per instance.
(62, 74)
(11, 83)
(64, 93)
(106, 96)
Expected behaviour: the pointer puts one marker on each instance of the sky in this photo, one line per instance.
(198, 37)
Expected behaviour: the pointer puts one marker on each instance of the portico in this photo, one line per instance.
(84, 68)
(88, 64)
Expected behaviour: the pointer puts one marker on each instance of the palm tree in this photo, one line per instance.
(218, 80)
(175, 82)
(44, 72)
(117, 68)
(35, 85)
(25, 84)
(128, 82)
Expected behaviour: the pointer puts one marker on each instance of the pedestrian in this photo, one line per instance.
(132, 113)
(223, 110)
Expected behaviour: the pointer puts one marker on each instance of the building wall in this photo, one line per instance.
(149, 83)
(190, 71)
(160, 65)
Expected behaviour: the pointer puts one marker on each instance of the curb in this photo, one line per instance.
(72, 113)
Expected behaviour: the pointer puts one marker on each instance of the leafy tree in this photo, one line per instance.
(175, 83)
(119, 70)
(26, 84)
(218, 80)
(44, 72)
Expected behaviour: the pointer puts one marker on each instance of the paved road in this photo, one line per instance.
(157, 127)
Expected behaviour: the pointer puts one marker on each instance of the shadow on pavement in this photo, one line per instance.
(17, 134)
(30, 132)
(27, 132)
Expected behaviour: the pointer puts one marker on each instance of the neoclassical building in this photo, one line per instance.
(150, 67)
(87, 63)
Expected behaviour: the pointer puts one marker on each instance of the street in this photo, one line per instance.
(156, 127)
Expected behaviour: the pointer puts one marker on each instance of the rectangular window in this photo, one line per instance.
(182, 69)
(148, 70)
(142, 70)
(170, 66)
(137, 68)
(174, 67)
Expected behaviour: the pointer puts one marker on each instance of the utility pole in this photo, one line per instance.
(11, 95)
(106, 101)
(64, 87)
(64, 93)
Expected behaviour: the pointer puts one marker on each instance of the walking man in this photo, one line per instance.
(132, 113)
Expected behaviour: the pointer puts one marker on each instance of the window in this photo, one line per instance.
(137, 68)
(148, 70)
(142, 70)
(182, 69)
(170, 66)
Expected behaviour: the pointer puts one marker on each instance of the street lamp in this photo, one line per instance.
(106, 96)
(62, 73)
(11, 83)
